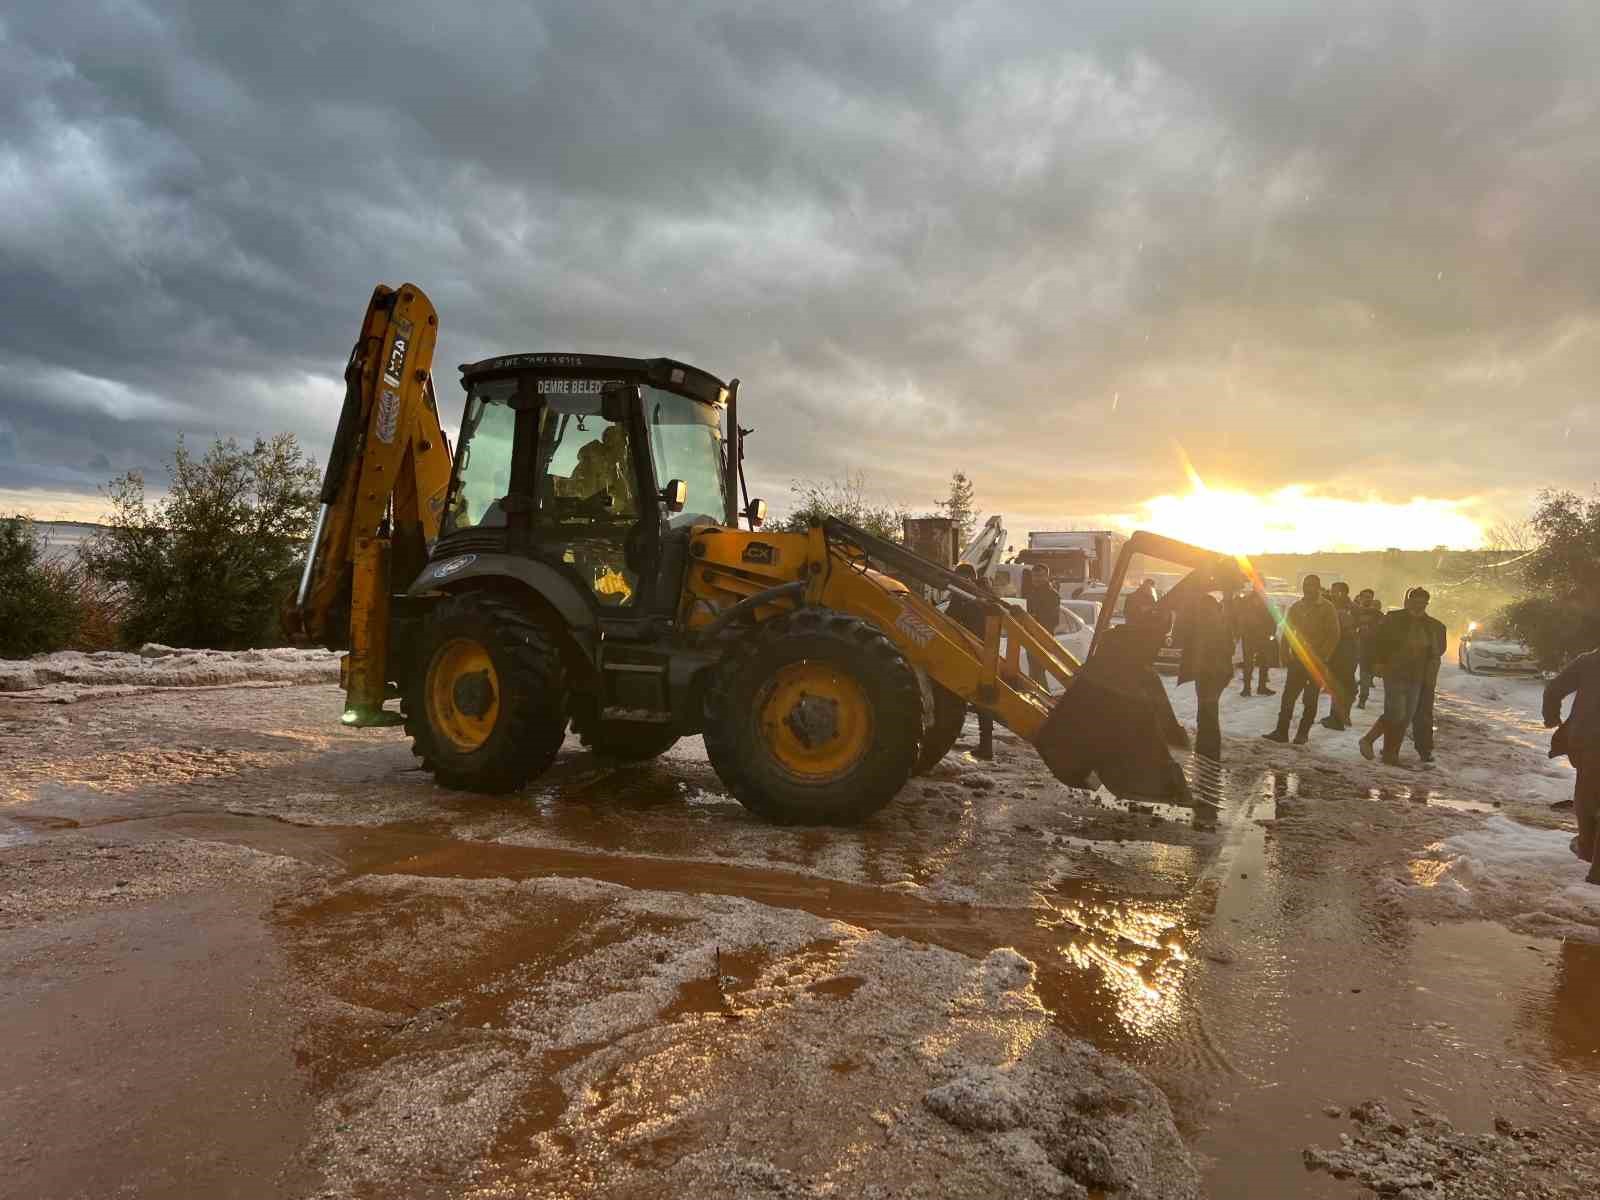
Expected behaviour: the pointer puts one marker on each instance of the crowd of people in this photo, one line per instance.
(1328, 641)
(1331, 641)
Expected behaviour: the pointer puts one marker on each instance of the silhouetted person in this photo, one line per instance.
(1342, 667)
(1257, 628)
(1410, 644)
(1044, 606)
(970, 614)
(1578, 737)
(1310, 634)
(1140, 602)
(1368, 613)
(1207, 640)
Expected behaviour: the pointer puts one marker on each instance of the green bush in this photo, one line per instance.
(206, 565)
(1558, 617)
(816, 500)
(1555, 628)
(40, 608)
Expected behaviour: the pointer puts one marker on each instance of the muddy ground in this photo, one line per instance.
(247, 952)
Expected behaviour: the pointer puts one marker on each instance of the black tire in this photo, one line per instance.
(849, 648)
(625, 741)
(949, 719)
(531, 719)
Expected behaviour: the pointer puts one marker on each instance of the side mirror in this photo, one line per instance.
(675, 495)
(756, 513)
(619, 401)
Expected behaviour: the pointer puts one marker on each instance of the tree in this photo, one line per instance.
(1559, 616)
(960, 507)
(845, 499)
(208, 564)
(1511, 535)
(39, 607)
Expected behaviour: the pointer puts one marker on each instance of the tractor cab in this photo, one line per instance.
(592, 465)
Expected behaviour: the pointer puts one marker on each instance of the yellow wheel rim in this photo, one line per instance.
(463, 694)
(814, 720)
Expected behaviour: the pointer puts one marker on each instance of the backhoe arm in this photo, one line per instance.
(382, 496)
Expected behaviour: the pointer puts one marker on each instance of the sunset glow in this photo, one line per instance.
(1296, 520)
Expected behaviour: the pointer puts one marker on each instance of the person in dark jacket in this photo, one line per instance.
(1140, 602)
(1206, 635)
(1310, 634)
(1369, 611)
(1578, 737)
(1044, 606)
(1342, 667)
(1257, 629)
(969, 613)
(1410, 644)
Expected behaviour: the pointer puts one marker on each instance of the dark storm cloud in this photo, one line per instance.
(1336, 245)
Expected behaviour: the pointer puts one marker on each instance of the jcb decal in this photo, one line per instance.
(914, 627)
(396, 367)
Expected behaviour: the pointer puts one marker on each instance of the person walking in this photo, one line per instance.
(1343, 666)
(1256, 631)
(1207, 639)
(1578, 737)
(970, 615)
(1368, 613)
(1310, 634)
(1410, 644)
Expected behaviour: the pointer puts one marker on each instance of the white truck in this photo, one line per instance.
(1076, 557)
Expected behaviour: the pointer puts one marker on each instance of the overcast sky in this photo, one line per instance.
(1345, 246)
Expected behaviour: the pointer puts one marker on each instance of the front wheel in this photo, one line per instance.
(814, 718)
(487, 706)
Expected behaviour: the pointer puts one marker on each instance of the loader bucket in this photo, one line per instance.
(1118, 736)
(1115, 721)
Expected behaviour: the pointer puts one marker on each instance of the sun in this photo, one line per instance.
(1296, 520)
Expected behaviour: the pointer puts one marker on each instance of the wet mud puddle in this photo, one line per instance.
(1274, 985)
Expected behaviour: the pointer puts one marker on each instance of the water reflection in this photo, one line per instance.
(1137, 952)
(1280, 785)
(1574, 1012)
(1405, 794)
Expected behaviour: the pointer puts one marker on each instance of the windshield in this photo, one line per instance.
(686, 444)
(484, 458)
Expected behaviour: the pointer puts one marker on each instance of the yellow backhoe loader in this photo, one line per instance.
(581, 563)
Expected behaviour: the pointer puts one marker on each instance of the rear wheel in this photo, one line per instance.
(814, 719)
(487, 706)
(949, 719)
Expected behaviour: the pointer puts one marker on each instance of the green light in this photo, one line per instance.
(350, 717)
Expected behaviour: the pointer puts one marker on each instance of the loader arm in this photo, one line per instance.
(382, 499)
(972, 669)
(1106, 723)
(1207, 567)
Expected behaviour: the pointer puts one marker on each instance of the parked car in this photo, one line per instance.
(1087, 611)
(1072, 634)
(1480, 652)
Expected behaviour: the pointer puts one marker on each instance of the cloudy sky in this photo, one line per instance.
(1345, 250)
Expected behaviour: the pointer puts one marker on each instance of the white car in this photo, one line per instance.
(1072, 634)
(1483, 653)
(1087, 611)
